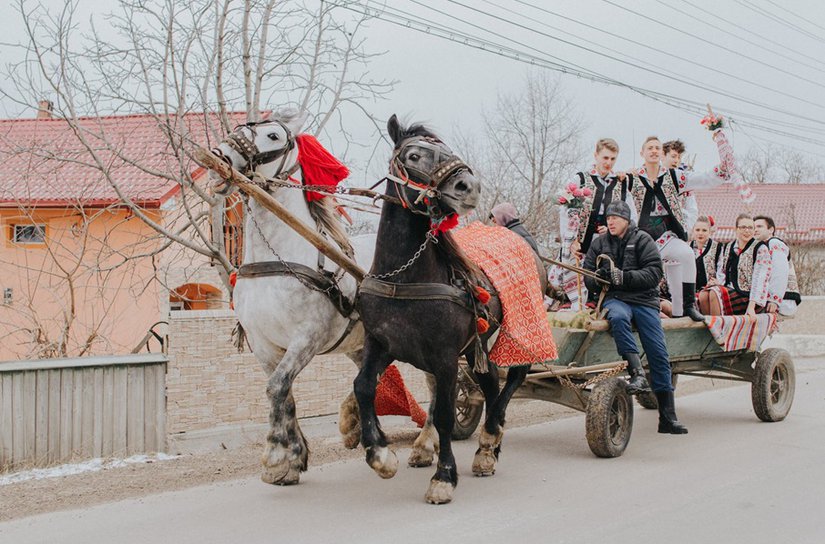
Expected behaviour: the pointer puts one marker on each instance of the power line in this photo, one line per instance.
(765, 13)
(797, 16)
(684, 59)
(728, 49)
(697, 85)
(754, 43)
(419, 24)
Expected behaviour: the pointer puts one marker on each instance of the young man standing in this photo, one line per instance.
(580, 226)
(657, 193)
(783, 291)
(634, 267)
(673, 151)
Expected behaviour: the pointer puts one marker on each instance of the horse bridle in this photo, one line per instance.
(445, 165)
(254, 157)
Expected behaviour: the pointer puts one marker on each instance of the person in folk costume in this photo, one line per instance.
(674, 150)
(783, 290)
(742, 275)
(657, 194)
(707, 251)
(599, 186)
(506, 215)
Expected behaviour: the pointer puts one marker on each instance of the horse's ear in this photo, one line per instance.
(294, 118)
(394, 129)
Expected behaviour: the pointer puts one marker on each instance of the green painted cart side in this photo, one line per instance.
(583, 378)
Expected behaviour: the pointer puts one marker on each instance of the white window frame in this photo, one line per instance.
(38, 228)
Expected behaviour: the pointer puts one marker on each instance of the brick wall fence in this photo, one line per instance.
(209, 384)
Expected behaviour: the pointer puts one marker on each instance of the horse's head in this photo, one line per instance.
(430, 178)
(265, 147)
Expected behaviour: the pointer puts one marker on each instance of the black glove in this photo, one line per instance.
(611, 274)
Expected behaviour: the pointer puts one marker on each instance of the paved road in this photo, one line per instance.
(732, 479)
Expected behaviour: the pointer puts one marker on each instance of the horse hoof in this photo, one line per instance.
(421, 456)
(484, 463)
(383, 461)
(277, 477)
(278, 469)
(352, 438)
(439, 492)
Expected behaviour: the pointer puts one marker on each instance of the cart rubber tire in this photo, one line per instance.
(774, 384)
(609, 418)
(467, 412)
(648, 400)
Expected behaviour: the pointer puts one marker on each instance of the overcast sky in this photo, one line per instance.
(774, 48)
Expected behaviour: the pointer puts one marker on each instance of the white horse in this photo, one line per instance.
(283, 308)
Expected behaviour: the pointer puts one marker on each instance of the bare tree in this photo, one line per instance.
(776, 164)
(532, 147)
(759, 165)
(167, 59)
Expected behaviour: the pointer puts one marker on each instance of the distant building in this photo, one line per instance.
(66, 235)
(799, 213)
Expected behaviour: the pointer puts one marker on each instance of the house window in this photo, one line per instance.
(29, 234)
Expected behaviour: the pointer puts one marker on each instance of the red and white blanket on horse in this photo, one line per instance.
(525, 336)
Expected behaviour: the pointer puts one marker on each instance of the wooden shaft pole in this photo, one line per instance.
(576, 269)
(208, 160)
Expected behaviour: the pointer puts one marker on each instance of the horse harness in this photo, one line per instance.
(320, 280)
(459, 291)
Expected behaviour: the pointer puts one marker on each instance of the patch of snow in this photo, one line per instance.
(93, 465)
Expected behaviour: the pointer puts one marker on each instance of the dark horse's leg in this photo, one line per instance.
(489, 441)
(445, 478)
(379, 456)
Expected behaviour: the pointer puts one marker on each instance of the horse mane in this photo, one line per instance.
(326, 217)
(417, 130)
(456, 256)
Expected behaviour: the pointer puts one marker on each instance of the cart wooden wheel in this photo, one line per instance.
(648, 400)
(609, 418)
(468, 409)
(774, 384)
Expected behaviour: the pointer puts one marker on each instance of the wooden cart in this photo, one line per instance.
(588, 377)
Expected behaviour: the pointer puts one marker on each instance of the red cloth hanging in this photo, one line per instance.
(318, 166)
(392, 398)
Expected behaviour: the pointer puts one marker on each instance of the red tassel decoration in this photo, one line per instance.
(482, 325)
(482, 294)
(233, 278)
(446, 224)
(318, 166)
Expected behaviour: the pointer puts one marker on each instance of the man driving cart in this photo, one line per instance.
(627, 258)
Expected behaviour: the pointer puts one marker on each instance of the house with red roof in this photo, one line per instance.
(798, 211)
(80, 272)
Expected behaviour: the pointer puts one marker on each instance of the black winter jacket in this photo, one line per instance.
(638, 258)
(516, 226)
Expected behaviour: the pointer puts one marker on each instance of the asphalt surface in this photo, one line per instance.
(732, 479)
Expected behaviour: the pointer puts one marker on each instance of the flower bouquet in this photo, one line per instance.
(713, 122)
(573, 196)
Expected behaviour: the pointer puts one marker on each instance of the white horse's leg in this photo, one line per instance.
(426, 445)
(349, 422)
(286, 453)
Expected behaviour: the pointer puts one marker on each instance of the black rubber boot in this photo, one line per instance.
(668, 424)
(638, 381)
(689, 302)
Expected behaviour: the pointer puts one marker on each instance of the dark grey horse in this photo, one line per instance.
(417, 306)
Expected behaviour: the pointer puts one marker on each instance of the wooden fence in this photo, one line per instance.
(62, 409)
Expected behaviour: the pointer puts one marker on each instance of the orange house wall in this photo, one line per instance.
(120, 304)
